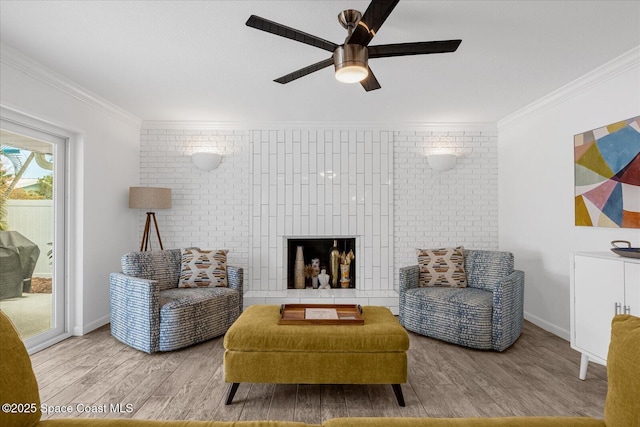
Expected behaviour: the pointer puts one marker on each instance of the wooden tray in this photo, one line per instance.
(296, 314)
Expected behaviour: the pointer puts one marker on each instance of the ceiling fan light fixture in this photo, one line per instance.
(350, 61)
(351, 74)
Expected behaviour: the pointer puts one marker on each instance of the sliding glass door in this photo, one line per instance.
(32, 230)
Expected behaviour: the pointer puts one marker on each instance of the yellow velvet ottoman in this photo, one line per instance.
(258, 350)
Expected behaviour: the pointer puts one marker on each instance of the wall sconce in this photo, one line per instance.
(441, 162)
(206, 161)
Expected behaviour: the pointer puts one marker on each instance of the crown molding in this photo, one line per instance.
(248, 126)
(609, 70)
(14, 59)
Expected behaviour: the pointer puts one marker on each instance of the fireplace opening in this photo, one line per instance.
(314, 256)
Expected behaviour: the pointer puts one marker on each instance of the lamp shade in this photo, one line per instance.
(206, 161)
(149, 198)
(441, 162)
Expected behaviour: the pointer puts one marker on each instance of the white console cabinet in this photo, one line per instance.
(602, 285)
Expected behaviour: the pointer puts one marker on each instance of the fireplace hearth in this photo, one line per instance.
(317, 250)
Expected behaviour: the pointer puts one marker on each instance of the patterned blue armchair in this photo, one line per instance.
(150, 313)
(487, 314)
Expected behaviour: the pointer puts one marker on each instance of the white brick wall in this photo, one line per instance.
(209, 209)
(430, 209)
(451, 208)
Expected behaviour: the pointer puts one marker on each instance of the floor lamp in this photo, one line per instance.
(149, 198)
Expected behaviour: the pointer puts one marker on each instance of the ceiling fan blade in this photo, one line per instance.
(304, 71)
(289, 33)
(418, 48)
(371, 21)
(370, 83)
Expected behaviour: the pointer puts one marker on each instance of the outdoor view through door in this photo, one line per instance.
(29, 237)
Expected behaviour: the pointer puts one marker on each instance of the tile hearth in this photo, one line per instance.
(384, 298)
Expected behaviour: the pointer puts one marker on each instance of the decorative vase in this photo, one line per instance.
(344, 282)
(298, 269)
(334, 259)
(314, 282)
(345, 269)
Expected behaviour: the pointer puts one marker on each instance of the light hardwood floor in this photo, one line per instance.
(538, 375)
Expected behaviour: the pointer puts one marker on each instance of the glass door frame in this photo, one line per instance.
(61, 140)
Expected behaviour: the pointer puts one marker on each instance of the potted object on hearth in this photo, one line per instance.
(315, 266)
(323, 278)
(334, 262)
(345, 268)
(298, 269)
(308, 276)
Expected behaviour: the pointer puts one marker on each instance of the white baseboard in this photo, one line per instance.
(79, 331)
(36, 348)
(549, 327)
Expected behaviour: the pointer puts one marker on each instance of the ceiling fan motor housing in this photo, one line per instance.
(350, 61)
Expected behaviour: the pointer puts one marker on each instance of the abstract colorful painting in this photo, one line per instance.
(607, 175)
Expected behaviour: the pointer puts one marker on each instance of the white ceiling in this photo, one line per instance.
(197, 61)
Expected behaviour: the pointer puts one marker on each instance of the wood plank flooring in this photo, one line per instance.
(538, 375)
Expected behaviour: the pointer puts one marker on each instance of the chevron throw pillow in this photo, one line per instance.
(442, 267)
(203, 269)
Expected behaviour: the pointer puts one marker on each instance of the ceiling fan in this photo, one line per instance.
(351, 58)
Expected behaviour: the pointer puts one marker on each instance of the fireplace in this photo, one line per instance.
(293, 196)
(316, 251)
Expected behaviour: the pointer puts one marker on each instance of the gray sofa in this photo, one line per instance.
(151, 313)
(487, 314)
